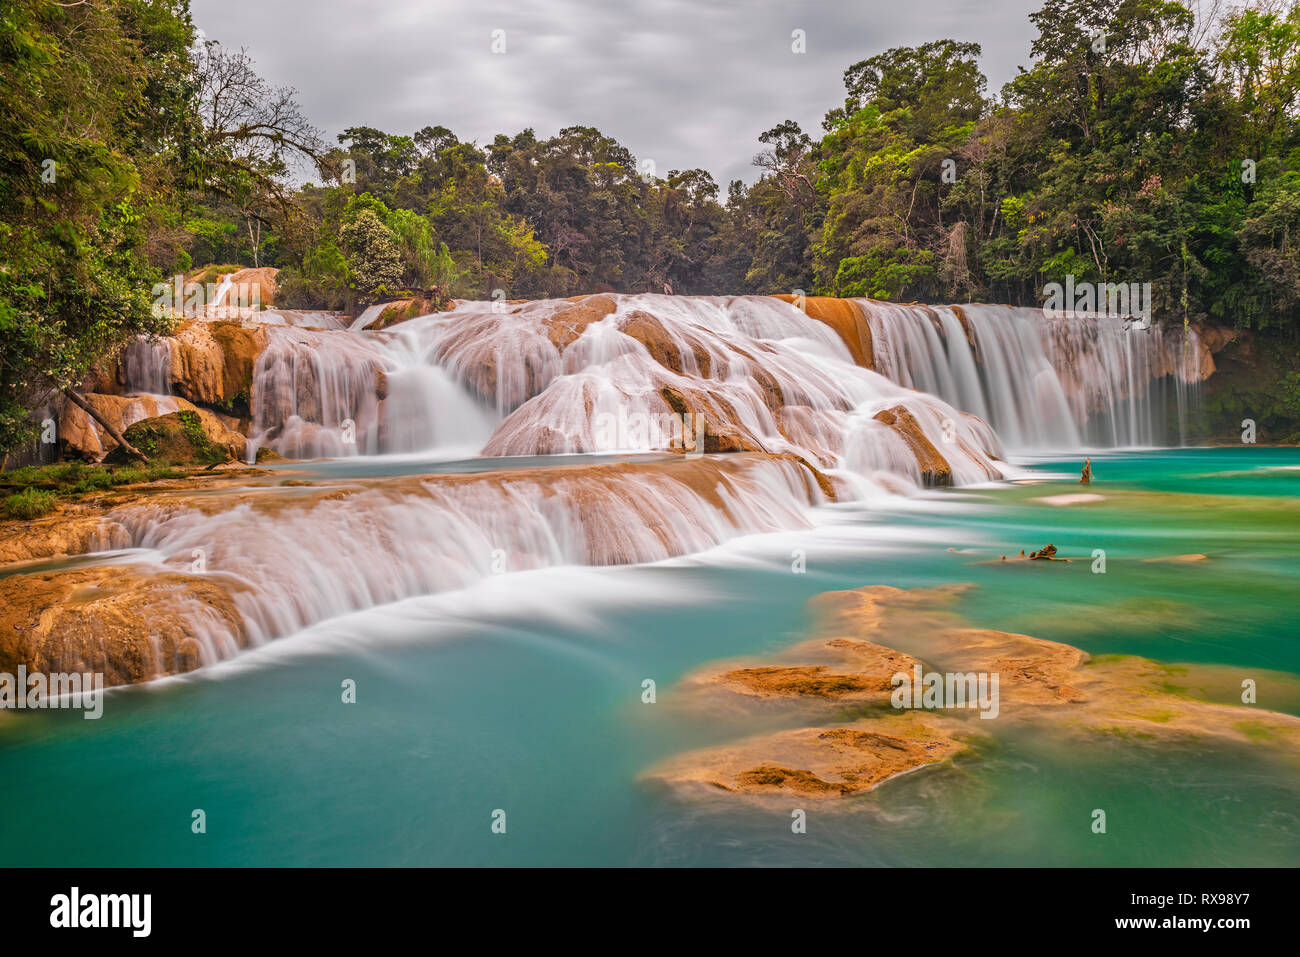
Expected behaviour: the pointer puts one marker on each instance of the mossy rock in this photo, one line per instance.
(177, 438)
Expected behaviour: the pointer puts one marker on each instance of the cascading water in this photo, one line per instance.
(296, 556)
(566, 378)
(338, 393)
(146, 366)
(1044, 382)
(754, 375)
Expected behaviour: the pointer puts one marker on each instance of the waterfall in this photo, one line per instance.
(368, 315)
(294, 556)
(572, 377)
(320, 393)
(1044, 383)
(222, 290)
(146, 366)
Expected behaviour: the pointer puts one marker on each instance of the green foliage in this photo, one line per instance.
(93, 107)
(373, 256)
(173, 439)
(29, 504)
(34, 490)
(1125, 152)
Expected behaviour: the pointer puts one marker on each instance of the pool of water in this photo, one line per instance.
(524, 694)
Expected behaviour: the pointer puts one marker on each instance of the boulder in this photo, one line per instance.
(212, 363)
(935, 470)
(80, 436)
(189, 437)
(263, 278)
(131, 623)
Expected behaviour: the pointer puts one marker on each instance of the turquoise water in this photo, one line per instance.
(524, 694)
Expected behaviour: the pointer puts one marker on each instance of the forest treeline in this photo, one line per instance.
(1140, 143)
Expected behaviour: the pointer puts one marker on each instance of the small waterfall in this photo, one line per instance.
(222, 290)
(291, 557)
(334, 394)
(1044, 383)
(368, 315)
(146, 366)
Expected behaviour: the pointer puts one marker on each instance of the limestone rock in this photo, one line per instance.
(935, 470)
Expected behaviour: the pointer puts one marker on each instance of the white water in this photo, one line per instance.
(295, 556)
(337, 393)
(1043, 383)
(147, 366)
(368, 315)
(548, 378)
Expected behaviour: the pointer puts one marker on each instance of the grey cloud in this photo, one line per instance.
(683, 83)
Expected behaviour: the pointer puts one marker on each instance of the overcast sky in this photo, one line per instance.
(685, 83)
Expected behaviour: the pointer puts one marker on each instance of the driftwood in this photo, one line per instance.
(107, 426)
(1086, 478)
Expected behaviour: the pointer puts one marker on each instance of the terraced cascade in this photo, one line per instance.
(566, 551)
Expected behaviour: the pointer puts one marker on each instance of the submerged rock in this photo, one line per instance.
(1043, 685)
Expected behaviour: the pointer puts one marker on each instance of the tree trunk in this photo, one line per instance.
(107, 426)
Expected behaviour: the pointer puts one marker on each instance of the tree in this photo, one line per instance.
(96, 121)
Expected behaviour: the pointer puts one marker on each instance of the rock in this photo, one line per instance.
(212, 363)
(650, 332)
(263, 278)
(188, 437)
(1046, 684)
(59, 535)
(816, 762)
(935, 470)
(567, 325)
(401, 310)
(846, 318)
(129, 622)
(1046, 553)
(721, 433)
(81, 436)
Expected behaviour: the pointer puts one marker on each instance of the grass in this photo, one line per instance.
(35, 490)
(30, 503)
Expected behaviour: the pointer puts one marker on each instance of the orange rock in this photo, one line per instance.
(846, 318)
(935, 470)
(131, 623)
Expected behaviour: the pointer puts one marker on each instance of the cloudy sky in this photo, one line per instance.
(684, 83)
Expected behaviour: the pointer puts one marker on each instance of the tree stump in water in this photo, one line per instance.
(1086, 478)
